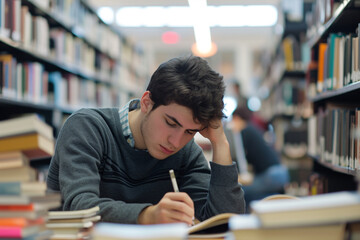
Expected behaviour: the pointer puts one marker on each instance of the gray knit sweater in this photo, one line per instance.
(94, 165)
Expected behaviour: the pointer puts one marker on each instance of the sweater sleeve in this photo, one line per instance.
(225, 190)
(75, 167)
(215, 190)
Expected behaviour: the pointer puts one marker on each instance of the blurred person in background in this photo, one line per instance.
(260, 170)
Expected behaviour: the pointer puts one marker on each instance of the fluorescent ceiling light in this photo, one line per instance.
(217, 16)
(201, 25)
(106, 14)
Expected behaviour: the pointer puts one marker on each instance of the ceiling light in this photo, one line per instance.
(216, 16)
(196, 51)
(106, 14)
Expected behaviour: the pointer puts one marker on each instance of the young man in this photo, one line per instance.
(120, 159)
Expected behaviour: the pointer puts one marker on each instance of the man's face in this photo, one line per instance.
(167, 129)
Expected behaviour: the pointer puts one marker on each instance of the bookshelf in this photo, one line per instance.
(287, 107)
(335, 75)
(58, 56)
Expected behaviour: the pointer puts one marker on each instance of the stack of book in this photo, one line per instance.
(27, 134)
(323, 216)
(76, 224)
(22, 215)
(24, 203)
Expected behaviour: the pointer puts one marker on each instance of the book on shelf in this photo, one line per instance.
(29, 123)
(13, 159)
(321, 65)
(248, 226)
(32, 145)
(327, 208)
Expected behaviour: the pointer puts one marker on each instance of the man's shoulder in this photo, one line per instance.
(96, 111)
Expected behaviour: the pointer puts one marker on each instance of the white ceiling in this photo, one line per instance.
(237, 47)
(225, 38)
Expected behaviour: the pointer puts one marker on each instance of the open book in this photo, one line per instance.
(214, 227)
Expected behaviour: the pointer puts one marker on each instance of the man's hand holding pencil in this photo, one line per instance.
(173, 207)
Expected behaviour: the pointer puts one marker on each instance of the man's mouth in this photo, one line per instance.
(166, 150)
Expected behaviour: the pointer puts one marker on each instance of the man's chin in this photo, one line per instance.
(160, 155)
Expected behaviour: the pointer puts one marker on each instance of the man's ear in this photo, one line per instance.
(146, 103)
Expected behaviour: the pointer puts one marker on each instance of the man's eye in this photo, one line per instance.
(190, 132)
(170, 124)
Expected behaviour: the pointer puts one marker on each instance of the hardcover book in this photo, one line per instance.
(32, 145)
(327, 208)
(30, 123)
(249, 227)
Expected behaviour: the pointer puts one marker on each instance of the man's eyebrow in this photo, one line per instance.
(177, 122)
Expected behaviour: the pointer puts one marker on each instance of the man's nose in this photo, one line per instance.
(175, 138)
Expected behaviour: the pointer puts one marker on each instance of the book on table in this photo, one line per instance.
(76, 224)
(17, 188)
(83, 213)
(214, 227)
(13, 159)
(49, 200)
(249, 226)
(20, 227)
(116, 231)
(29, 207)
(33, 145)
(328, 208)
(19, 232)
(18, 174)
(28, 123)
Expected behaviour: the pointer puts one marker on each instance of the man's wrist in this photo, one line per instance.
(144, 216)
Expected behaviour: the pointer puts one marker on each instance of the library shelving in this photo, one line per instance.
(57, 56)
(333, 81)
(286, 107)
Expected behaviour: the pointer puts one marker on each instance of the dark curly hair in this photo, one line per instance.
(190, 82)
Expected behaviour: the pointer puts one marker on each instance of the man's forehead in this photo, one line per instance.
(183, 115)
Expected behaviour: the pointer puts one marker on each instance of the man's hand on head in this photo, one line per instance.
(220, 145)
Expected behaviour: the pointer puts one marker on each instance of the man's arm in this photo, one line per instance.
(78, 161)
(219, 143)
